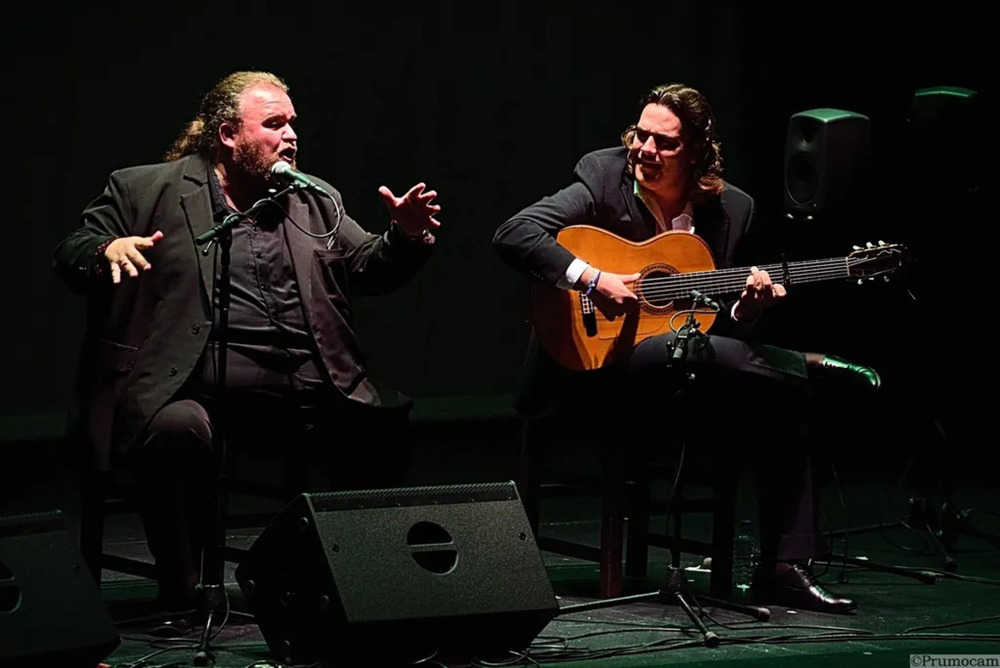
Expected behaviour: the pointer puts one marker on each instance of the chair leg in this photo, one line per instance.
(723, 534)
(637, 541)
(529, 483)
(92, 527)
(612, 522)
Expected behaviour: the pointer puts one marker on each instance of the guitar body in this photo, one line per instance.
(580, 336)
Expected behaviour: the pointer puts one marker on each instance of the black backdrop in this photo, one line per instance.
(490, 104)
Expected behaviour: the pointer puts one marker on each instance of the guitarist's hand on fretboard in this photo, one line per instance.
(760, 292)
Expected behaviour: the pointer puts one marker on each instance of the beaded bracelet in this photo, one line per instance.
(592, 283)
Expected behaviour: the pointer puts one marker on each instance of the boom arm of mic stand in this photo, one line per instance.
(234, 219)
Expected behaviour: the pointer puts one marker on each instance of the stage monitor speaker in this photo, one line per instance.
(399, 574)
(51, 612)
(827, 160)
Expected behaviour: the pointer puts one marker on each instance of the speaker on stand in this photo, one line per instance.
(827, 171)
(827, 174)
(943, 174)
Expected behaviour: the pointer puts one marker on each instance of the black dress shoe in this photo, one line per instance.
(797, 587)
(852, 375)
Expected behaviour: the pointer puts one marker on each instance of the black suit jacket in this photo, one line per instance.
(602, 195)
(145, 335)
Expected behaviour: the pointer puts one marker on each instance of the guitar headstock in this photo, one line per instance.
(876, 260)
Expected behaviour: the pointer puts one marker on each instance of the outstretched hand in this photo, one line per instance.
(758, 294)
(414, 212)
(124, 254)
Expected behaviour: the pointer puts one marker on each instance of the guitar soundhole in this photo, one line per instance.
(651, 290)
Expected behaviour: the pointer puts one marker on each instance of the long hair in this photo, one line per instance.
(220, 105)
(698, 130)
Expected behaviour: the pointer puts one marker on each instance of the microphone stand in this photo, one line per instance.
(941, 533)
(214, 600)
(675, 588)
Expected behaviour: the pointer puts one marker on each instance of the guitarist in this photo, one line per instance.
(668, 176)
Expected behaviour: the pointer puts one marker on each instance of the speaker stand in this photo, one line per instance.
(920, 520)
(676, 591)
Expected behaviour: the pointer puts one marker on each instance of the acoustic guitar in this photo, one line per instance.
(677, 272)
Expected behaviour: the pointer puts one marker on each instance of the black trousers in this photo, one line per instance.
(748, 402)
(189, 443)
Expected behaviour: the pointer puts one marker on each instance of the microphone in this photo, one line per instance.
(282, 171)
(706, 300)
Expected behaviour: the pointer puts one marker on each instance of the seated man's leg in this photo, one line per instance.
(175, 467)
(789, 525)
(711, 354)
(759, 395)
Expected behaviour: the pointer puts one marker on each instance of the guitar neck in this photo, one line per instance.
(729, 281)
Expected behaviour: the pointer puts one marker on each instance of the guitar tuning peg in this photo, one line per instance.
(882, 243)
(856, 247)
(869, 244)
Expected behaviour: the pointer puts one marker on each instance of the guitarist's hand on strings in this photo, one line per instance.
(611, 294)
(758, 294)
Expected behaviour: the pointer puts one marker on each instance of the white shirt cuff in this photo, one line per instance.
(573, 274)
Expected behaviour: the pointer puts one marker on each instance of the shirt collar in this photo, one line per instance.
(219, 204)
(683, 221)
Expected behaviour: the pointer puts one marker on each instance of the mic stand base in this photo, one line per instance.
(925, 577)
(215, 604)
(921, 520)
(955, 523)
(676, 591)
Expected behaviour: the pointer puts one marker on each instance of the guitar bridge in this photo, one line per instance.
(589, 314)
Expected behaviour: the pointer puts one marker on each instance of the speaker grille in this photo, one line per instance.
(414, 496)
(51, 612)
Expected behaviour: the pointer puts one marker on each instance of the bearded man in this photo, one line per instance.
(225, 247)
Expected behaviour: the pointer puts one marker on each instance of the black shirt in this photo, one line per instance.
(270, 347)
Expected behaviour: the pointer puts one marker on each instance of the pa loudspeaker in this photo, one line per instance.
(827, 160)
(400, 575)
(945, 154)
(51, 612)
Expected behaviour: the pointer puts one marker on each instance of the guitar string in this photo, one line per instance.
(734, 280)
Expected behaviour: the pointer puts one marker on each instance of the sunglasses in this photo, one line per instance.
(663, 142)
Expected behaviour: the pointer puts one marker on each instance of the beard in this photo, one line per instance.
(253, 161)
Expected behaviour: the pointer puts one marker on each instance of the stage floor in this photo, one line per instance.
(899, 621)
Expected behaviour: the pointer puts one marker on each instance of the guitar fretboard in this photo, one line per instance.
(728, 281)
